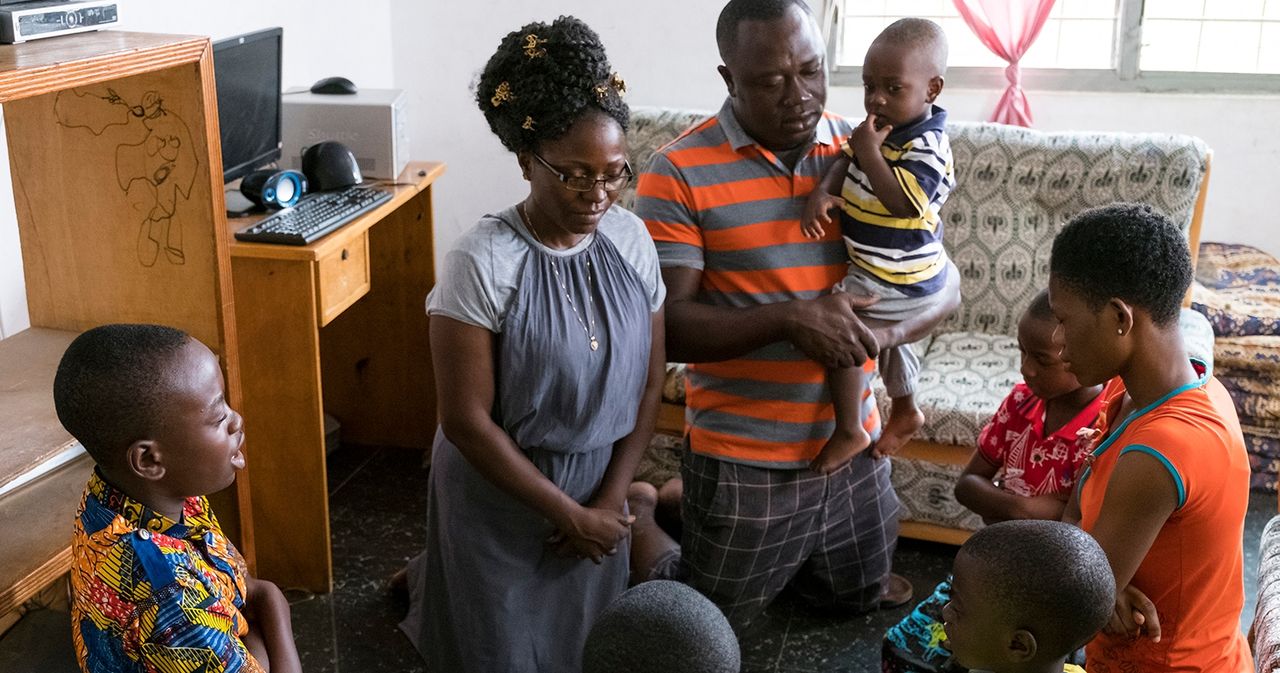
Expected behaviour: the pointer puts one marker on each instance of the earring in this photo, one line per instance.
(1120, 331)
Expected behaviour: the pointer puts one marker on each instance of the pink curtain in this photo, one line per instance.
(1008, 28)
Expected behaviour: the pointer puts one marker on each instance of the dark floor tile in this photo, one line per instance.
(762, 645)
(378, 513)
(378, 519)
(345, 462)
(313, 630)
(833, 644)
(39, 643)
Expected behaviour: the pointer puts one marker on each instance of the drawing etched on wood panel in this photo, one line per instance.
(156, 163)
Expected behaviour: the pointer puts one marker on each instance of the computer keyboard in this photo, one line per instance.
(314, 216)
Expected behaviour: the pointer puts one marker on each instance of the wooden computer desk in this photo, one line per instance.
(338, 325)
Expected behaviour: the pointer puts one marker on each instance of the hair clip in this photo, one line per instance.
(531, 48)
(528, 124)
(602, 92)
(618, 83)
(502, 94)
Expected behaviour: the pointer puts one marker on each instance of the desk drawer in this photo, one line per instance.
(342, 277)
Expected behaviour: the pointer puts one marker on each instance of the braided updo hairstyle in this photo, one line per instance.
(543, 78)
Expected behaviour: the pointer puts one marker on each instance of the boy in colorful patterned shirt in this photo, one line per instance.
(889, 187)
(1025, 466)
(1026, 594)
(155, 584)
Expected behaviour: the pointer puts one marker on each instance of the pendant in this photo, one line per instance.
(594, 344)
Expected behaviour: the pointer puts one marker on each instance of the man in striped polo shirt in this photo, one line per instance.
(748, 307)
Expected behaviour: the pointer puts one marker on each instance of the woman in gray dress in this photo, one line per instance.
(546, 336)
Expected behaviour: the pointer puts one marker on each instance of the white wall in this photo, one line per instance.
(321, 38)
(665, 49)
(1238, 129)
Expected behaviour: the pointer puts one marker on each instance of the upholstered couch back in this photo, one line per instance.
(1015, 189)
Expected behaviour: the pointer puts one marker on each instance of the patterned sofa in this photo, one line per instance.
(1238, 289)
(1015, 188)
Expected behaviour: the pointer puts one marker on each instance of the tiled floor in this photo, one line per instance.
(377, 499)
(377, 507)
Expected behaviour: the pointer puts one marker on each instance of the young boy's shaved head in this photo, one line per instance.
(110, 385)
(1048, 577)
(919, 35)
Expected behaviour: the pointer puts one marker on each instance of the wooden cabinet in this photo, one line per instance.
(338, 325)
(117, 175)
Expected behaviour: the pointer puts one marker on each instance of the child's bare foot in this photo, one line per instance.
(642, 500)
(840, 449)
(905, 420)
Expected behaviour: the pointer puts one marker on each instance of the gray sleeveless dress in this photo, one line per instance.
(487, 594)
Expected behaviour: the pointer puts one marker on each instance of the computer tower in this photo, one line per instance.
(373, 123)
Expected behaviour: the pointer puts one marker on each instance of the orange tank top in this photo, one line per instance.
(1194, 571)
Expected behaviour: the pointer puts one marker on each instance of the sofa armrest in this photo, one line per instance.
(1264, 633)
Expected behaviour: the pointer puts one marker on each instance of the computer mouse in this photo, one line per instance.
(334, 85)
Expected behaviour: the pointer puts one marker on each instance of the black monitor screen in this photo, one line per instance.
(247, 71)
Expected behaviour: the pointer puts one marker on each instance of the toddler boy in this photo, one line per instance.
(155, 585)
(889, 186)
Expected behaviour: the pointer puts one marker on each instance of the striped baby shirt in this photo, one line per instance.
(903, 252)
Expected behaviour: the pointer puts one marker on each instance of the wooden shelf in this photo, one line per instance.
(111, 231)
(60, 63)
(32, 556)
(32, 433)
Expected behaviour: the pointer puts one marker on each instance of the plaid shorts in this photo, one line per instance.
(750, 531)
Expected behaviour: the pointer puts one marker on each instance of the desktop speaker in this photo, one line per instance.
(274, 189)
(330, 165)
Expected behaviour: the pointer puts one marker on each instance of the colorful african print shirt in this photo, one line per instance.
(153, 595)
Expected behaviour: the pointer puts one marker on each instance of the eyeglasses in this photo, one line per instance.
(582, 183)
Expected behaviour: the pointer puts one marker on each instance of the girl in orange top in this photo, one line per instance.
(1166, 488)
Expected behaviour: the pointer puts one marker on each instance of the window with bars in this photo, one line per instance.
(1160, 45)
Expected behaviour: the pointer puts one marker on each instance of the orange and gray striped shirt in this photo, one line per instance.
(717, 201)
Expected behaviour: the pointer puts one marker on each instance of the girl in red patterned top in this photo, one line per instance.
(1029, 454)
(1026, 463)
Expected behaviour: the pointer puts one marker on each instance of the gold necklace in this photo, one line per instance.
(590, 331)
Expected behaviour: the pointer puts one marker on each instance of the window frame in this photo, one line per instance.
(1125, 77)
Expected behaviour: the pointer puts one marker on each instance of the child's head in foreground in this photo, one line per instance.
(148, 404)
(661, 626)
(902, 73)
(1043, 369)
(1025, 594)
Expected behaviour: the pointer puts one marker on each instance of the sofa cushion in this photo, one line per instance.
(1238, 289)
(963, 378)
(1016, 187)
(926, 492)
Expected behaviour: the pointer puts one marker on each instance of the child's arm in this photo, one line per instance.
(270, 627)
(976, 491)
(866, 142)
(817, 210)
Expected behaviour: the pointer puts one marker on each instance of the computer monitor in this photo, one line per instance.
(246, 69)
